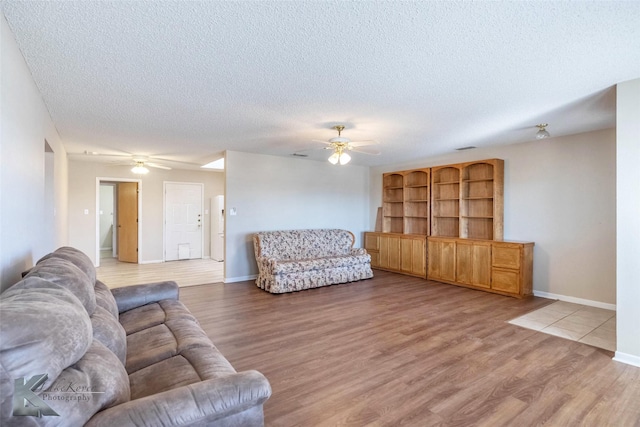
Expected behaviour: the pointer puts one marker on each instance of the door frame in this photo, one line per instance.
(100, 179)
(164, 216)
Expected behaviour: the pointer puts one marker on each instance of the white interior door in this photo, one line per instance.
(183, 220)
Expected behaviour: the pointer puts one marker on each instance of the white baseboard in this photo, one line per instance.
(629, 359)
(153, 261)
(239, 279)
(575, 300)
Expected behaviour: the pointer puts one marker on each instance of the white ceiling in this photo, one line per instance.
(187, 80)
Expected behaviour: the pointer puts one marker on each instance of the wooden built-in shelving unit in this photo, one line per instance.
(459, 209)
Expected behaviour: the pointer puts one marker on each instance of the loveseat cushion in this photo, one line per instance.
(297, 266)
(68, 276)
(303, 244)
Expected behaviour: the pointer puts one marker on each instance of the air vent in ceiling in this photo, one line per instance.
(299, 155)
(470, 147)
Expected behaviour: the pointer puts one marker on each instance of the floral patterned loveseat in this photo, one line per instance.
(294, 260)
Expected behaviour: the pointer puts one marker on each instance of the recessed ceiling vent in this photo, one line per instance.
(469, 147)
(299, 155)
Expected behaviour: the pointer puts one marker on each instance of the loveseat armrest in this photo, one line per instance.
(204, 403)
(266, 264)
(358, 251)
(130, 297)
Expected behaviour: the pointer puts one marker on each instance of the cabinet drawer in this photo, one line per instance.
(506, 256)
(505, 280)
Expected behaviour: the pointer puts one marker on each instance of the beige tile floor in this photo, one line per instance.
(589, 325)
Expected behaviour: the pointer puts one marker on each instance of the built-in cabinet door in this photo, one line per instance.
(413, 257)
(390, 252)
(372, 245)
(435, 254)
(473, 263)
(442, 256)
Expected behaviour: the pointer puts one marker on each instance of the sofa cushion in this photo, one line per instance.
(66, 275)
(149, 346)
(188, 367)
(109, 332)
(153, 314)
(76, 257)
(44, 329)
(296, 266)
(105, 299)
(97, 381)
(159, 331)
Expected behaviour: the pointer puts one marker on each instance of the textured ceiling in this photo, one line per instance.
(187, 80)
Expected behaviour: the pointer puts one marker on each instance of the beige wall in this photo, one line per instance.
(284, 193)
(82, 195)
(561, 194)
(33, 222)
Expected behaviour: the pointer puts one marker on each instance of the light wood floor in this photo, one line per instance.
(396, 350)
(186, 273)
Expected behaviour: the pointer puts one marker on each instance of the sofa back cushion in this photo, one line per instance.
(303, 244)
(105, 299)
(76, 257)
(44, 329)
(66, 275)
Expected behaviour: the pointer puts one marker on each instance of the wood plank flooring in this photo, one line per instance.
(396, 350)
(190, 272)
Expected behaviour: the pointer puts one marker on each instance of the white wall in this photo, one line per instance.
(279, 193)
(82, 195)
(26, 208)
(561, 194)
(628, 222)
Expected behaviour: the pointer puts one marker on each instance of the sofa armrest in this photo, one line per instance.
(358, 251)
(266, 265)
(130, 297)
(197, 404)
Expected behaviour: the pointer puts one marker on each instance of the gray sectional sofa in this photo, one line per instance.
(73, 352)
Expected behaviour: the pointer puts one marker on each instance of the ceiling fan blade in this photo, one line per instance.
(363, 150)
(157, 166)
(363, 143)
(321, 141)
(98, 156)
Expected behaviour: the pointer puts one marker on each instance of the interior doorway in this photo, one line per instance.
(118, 203)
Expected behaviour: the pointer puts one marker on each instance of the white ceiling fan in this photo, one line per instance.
(341, 145)
(140, 163)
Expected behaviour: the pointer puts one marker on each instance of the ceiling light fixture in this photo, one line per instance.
(140, 169)
(542, 132)
(339, 156)
(340, 145)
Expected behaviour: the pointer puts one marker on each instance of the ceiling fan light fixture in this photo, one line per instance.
(333, 159)
(140, 169)
(542, 132)
(344, 158)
